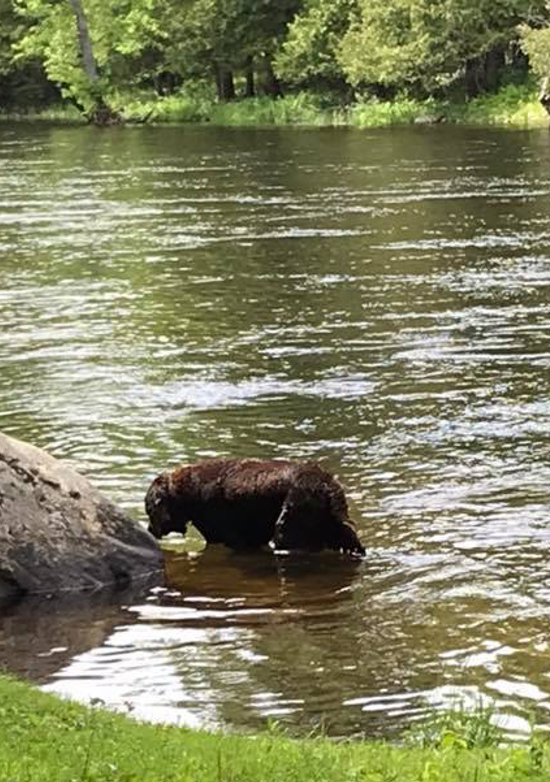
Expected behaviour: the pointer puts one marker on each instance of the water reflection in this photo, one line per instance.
(379, 301)
(39, 635)
(257, 623)
(312, 641)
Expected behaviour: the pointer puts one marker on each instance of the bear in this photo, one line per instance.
(250, 503)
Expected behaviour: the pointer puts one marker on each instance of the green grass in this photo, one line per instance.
(299, 109)
(514, 105)
(303, 108)
(46, 739)
(403, 111)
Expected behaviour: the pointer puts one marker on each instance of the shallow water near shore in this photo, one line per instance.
(378, 301)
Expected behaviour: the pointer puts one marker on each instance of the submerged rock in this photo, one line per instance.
(58, 533)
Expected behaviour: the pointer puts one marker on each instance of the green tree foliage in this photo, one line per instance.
(244, 47)
(535, 42)
(10, 29)
(309, 53)
(119, 30)
(428, 44)
(214, 38)
(21, 84)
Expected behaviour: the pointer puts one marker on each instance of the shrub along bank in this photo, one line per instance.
(513, 105)
(43, 738)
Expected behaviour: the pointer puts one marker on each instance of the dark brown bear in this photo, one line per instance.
(248, 503)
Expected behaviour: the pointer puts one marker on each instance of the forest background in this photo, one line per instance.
(286, 60)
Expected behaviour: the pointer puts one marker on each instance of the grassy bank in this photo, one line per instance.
(513, 106)
(43, 738)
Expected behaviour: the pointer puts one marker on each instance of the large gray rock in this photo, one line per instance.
(58, 533)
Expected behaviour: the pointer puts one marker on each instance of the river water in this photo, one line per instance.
(376, 300)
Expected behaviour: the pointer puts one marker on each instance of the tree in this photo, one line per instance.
(309, 53)
(94, 51)
(426, 45)
(9, 30)
(535, 42)
(84, 45)
(100, 113)
(24, 84)
(217, 38)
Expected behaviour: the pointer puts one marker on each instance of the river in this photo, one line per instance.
(377, 300)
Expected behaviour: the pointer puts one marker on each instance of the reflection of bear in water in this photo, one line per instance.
(247, 503)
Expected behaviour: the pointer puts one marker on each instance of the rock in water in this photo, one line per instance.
(58, 533)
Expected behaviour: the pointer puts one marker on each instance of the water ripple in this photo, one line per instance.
(377, 301)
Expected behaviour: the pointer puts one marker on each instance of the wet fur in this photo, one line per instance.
(248, 503)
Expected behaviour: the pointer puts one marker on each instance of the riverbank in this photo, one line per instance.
(44, 738)
(513, 106)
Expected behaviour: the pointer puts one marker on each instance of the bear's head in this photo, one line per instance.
(160, 507)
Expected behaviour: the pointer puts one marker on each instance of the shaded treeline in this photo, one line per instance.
(87, 51)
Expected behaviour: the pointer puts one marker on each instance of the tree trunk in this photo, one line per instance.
(483, 73)
(494, 62)
(225, 85)
(271, 84)
(473, 78)
(250, 88)
(100, 113)
(84, 41)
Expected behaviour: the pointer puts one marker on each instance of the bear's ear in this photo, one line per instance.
(157, 506)
(157, 494)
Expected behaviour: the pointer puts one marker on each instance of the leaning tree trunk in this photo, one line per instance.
(84, 41)
(100, 113)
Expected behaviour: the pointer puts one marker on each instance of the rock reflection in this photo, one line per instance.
(40, 634)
